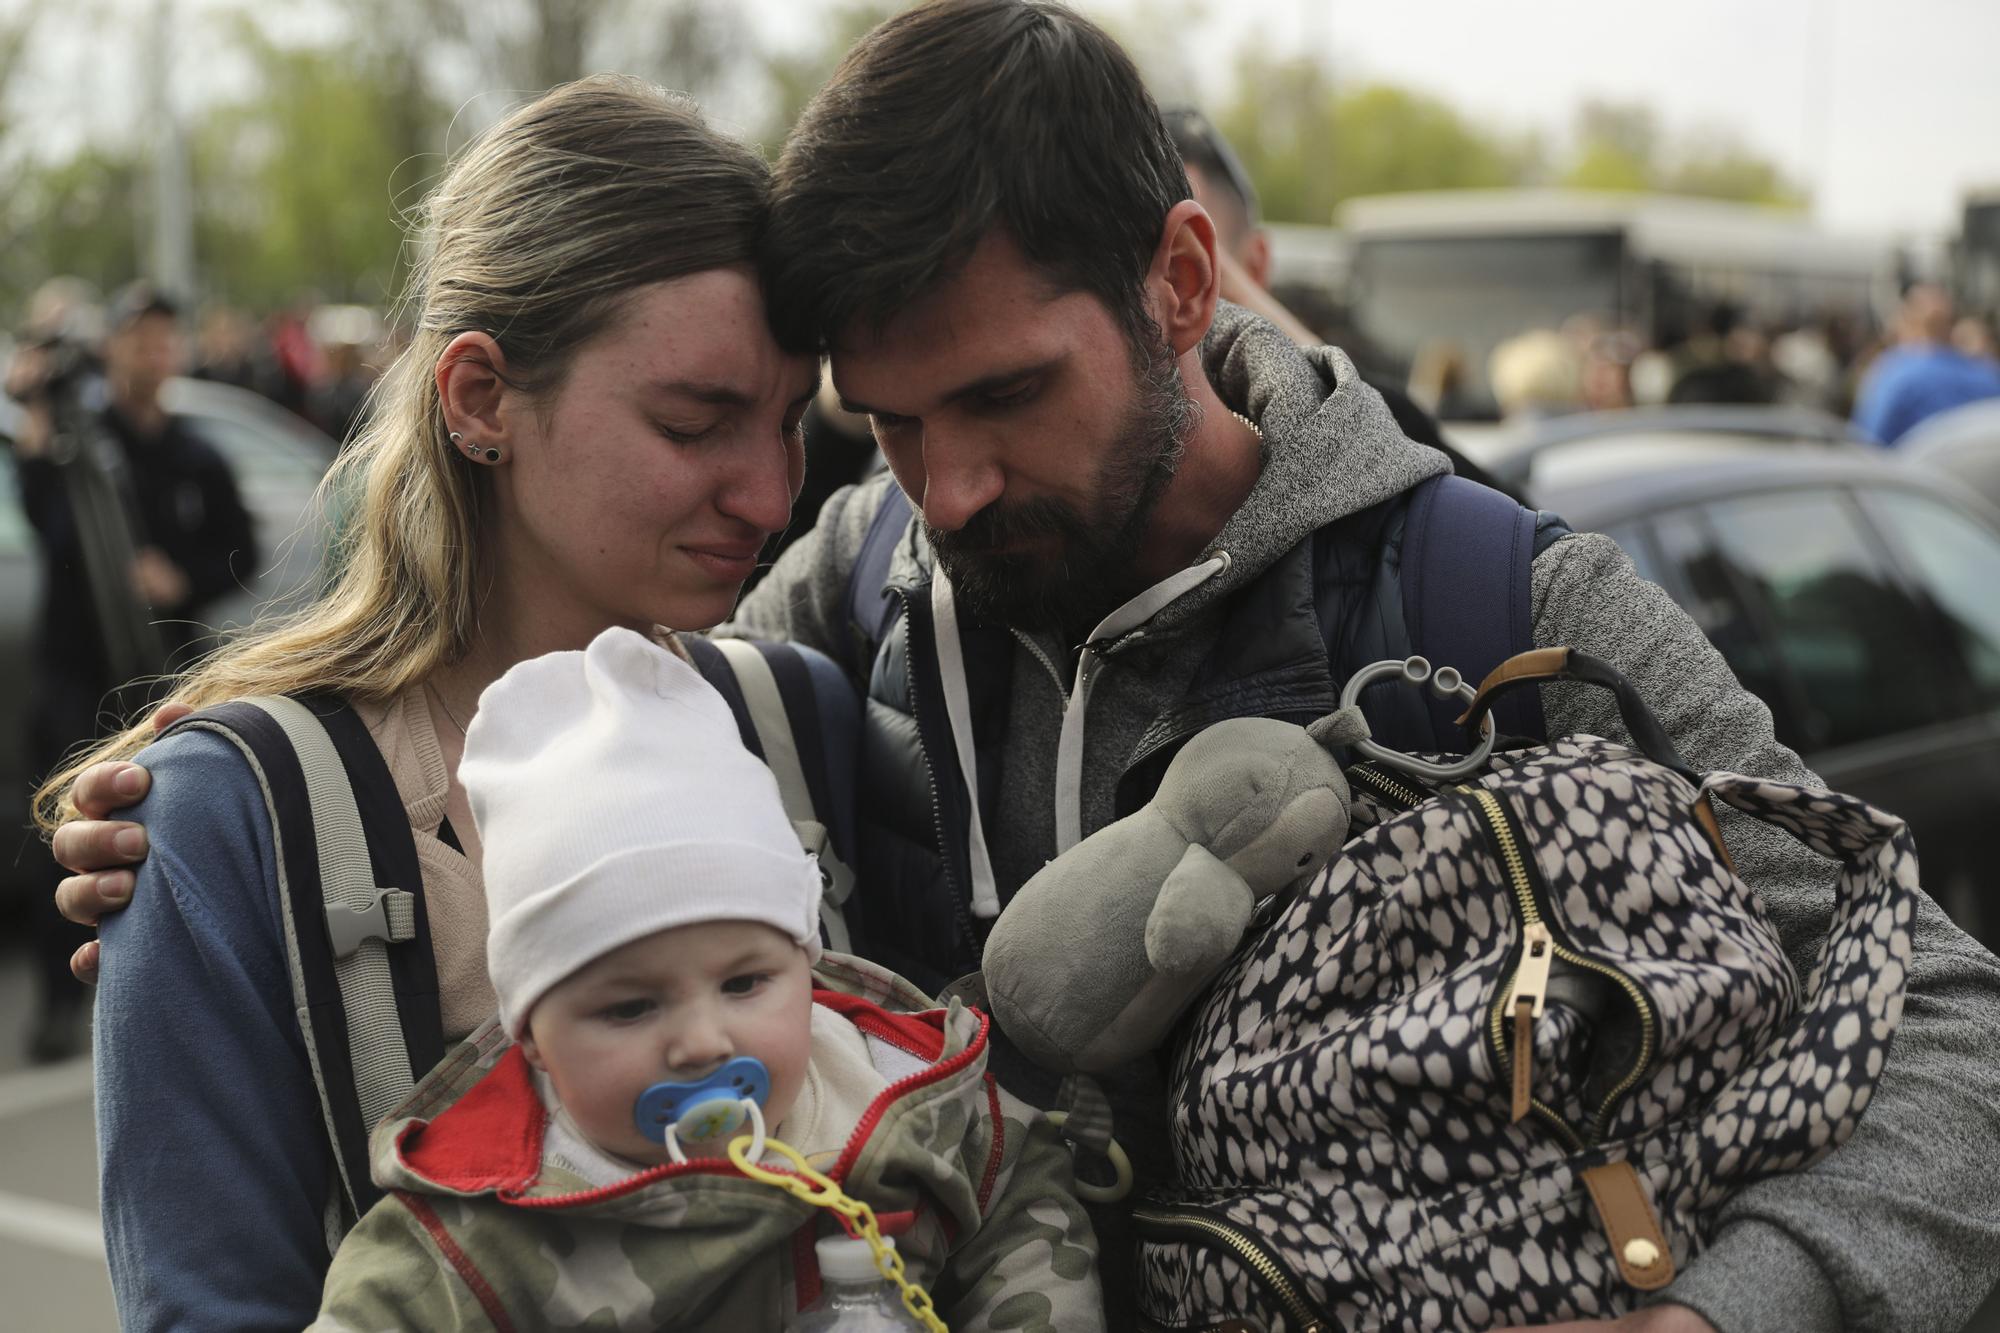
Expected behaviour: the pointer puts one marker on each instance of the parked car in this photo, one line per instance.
(278, 460)
(1963, 444)
(1854, 595)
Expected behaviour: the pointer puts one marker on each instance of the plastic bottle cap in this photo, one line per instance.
(846, 1259)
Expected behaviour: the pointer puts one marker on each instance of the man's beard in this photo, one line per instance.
(1089, 571)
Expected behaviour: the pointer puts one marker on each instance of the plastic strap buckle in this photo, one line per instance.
(391, 918)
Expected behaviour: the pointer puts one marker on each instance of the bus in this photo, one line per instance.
(1476, 267)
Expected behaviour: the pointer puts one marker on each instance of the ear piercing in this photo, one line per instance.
(473, 451)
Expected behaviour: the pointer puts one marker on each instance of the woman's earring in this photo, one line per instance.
(473, 451)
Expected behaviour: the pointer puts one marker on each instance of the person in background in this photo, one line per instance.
(1223, 187)
(225, 350)
(1723, 361)
(172, 504)
(1923, 374)
(1536, 374)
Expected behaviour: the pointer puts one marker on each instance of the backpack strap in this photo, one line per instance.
(1467, 554)
(771, 690)
(871, 607)
(357, 941)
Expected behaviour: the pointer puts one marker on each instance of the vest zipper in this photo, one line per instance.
(1181, 1223)
(960, 912)
(1530, 977)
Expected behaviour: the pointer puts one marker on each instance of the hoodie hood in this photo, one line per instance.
(476, 1126)
(1331, 447)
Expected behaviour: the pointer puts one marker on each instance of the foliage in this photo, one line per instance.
(80, 216)
(304, 180)
(276, 222)
(1620, 146)
(794, 77)
(1309, 145)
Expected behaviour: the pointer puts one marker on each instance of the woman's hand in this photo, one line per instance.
(97, 849)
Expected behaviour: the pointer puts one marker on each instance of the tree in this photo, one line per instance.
(1308, 147)
(794, 77)
(300, 181)
(1620, 146)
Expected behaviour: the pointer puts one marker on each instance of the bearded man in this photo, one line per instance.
(1139, 510)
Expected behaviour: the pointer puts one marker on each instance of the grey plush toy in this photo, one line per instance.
(1097, 955)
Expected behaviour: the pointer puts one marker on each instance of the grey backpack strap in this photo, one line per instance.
(368, 1018)
(362, 919)
(773, 723)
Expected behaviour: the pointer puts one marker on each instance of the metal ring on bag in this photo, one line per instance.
(1446, 683)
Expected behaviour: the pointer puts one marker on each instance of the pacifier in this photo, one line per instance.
(707, 1113)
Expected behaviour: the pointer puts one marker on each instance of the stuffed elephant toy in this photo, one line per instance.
(1098, 955)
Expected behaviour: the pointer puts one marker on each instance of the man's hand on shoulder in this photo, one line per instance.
(98, 849)
(1653, 1319)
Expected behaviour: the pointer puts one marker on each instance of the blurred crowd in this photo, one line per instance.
(1929, 359)
(316, 360)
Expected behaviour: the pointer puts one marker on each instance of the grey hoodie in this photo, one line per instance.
(1900, 1229)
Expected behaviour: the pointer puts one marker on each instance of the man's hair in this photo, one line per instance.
(946, 123)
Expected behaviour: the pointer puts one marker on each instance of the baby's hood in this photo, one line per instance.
(475, 1127)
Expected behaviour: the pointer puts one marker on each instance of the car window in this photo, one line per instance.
(1699, 578)
(1958, 562)
(1632, 539)
(1859, 649)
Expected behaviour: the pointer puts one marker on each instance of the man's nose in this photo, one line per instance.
(959, 481)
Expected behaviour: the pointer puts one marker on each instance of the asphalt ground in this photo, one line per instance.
(52, 1277)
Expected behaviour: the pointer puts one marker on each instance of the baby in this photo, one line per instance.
(654, 945)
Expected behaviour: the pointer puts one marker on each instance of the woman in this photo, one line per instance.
(592, 427)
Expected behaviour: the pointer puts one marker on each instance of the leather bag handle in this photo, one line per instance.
(1542, 664)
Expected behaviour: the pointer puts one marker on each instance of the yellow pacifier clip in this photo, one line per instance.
(816, 1189)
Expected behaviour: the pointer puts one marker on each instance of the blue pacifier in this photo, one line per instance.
(709, 1110)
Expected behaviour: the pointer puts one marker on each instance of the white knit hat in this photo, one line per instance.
(614, 798)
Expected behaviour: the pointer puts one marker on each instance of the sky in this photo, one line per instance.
(1887, 110)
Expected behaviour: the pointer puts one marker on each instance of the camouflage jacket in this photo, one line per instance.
(480, 1232)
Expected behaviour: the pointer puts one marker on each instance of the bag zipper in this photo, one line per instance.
(1167, 1222)
(1408, 798)
(1531, 974)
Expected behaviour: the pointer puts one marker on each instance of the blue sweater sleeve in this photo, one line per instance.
(214, 1164)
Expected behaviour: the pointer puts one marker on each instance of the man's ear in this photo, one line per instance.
(1184, 280)
(472, 386)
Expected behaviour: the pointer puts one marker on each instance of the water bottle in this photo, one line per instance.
(854, 1297)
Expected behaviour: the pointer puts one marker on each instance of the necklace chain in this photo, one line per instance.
(449, 715)
(1255, 429)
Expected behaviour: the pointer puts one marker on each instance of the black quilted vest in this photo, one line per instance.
(1332, 604)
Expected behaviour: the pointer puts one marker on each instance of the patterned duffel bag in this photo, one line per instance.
(1501, 1061)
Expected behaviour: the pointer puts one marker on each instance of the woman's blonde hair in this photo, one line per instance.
(533, 237)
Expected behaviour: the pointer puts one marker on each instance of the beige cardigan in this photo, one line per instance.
(454, 894)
